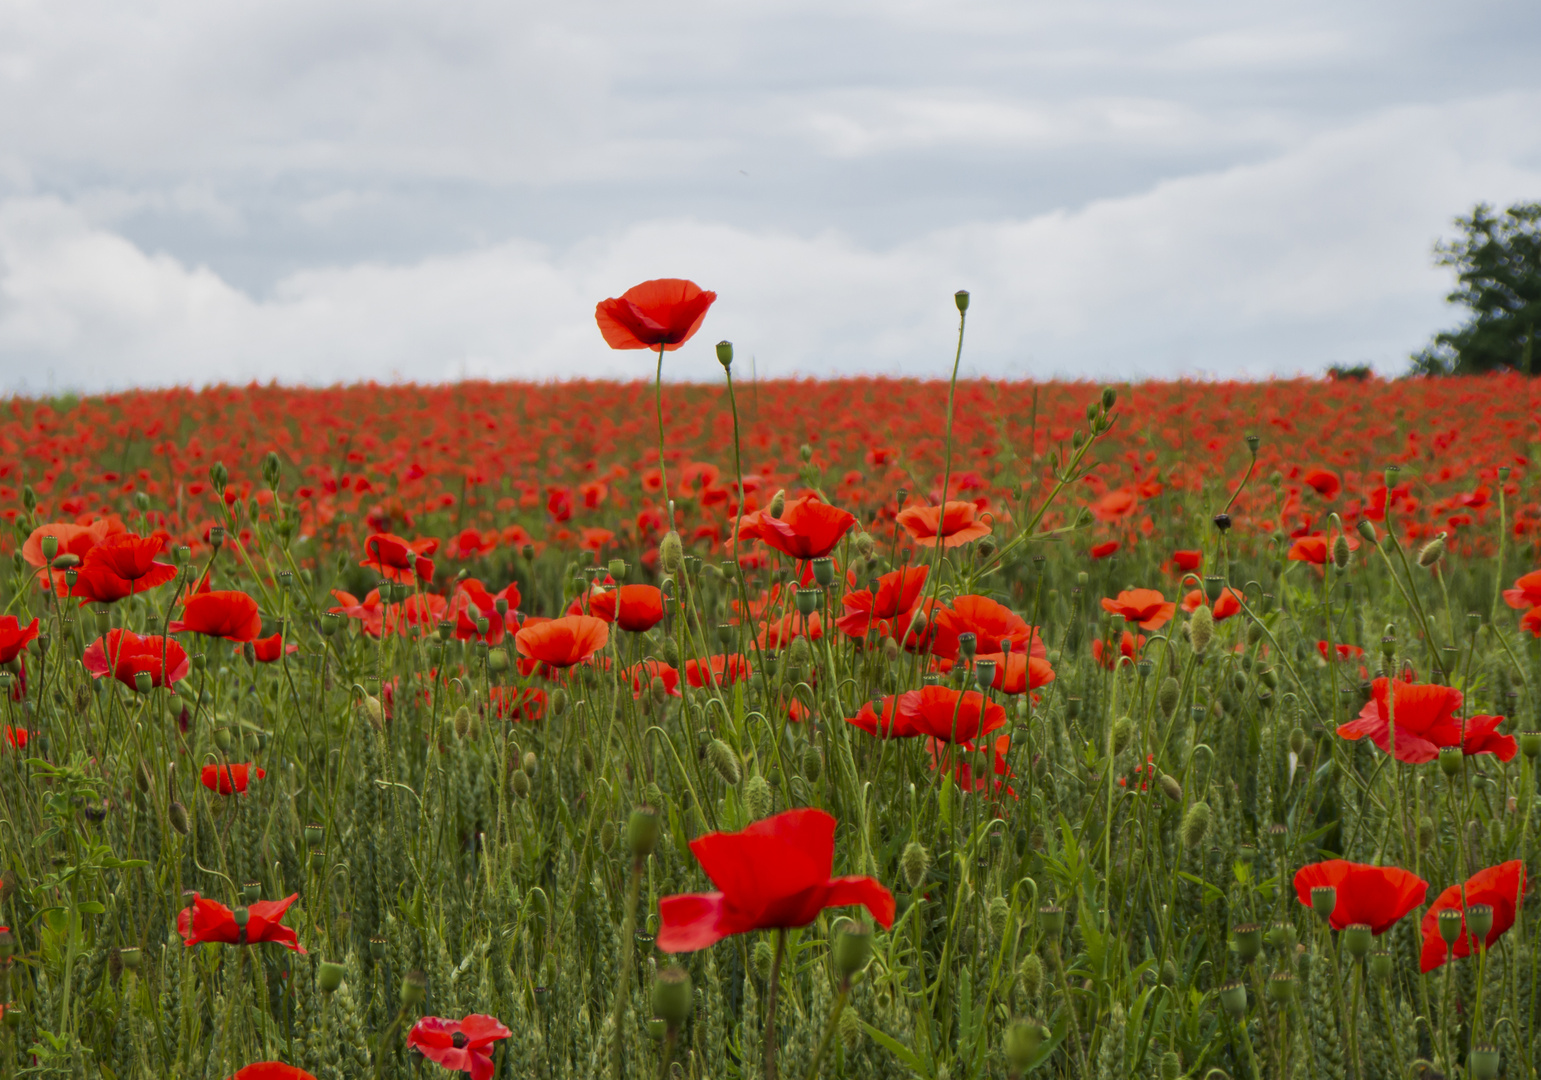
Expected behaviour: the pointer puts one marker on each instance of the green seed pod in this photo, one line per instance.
(1201, 628)
(1450, 758)
(414, 988)
(1195, 825)
(1051, 918)
(1449, 925)
(915, 863)
(1171, 1065)
(1171, 788)
(1324, 900)
(1381, 964)
(1249, 940)
(1483, 1062)
(1233, 999)
(1123, 733)
(607, 836)
(812, 764)
(1479, 920)
(329, 976)
(1530, 743)
(724, 762)
(1357, 939)
(1023, 1038)
(1239, 681)
(757, 797)
(1031, 974)
(176, 813)
(1000, 914)
(1281, 987)
(672, 997)
(497, 660)
(642, 831)
(671, 553)
(1168, 695)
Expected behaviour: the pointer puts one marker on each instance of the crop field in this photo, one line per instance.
(862, 728)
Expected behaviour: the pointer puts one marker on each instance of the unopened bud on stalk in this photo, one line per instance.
(1123, 732)
(558, 701)
(1031, 974)
(778, 503)
(462, 721)
(519, 783)
(812, 764)
(853, 948)
(1297, 740)
(1201, 629)
(328, 976)
(642, 831)
(757, 797)
(1023, 1038)
(1195, 825)
(1432, 552)
(915, 863)
(864, 544)
(373, 710)
(176, 813)
(672, 998)
(1167, 696)
(724, 761)
(1000, 914)
(1171, 788)
(607, 836)
(671, 553)
(414, 988)
(531, 764)
(1340, 552)
(805, 452)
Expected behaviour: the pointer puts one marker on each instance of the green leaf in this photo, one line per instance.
(91, 907)
(908, 1057)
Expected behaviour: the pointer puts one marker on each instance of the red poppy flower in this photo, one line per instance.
(806, 529)
(121, 565)
(641, 676)
(1145, 608)
(1345, 652)
(1530, 622)
(16, 737)
(1482, 737)
(267, 650)
(14, 637)
(991, 623)
(1526, 592)
(398, 559)
(210, 921)
(1309, 549)
(1375, 896)
(779, 633)
(719, 670)
(1229, 603)
(897, 594)
(519, 703)
(470, 544)
(1323, 482)
(459, 1045)
(960, 524)
(773, 875)
(951, 715)
(471, 602)
(561, 643)
(371, 612)
(222, 613)
(637, 608)
(1114, 506)
(1424, 716)
(664, 311)
(887, 718)
(1017, 673)
(76, 540)
(125, 654)
(272, 1070)
(230, 779)
(1104, 549)
(963, 772)
(1128, 646)
(1187, 561)
(1500, 887)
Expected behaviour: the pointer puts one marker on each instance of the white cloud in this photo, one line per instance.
(1318, 255)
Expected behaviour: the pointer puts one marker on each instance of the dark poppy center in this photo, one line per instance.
(459, 1040)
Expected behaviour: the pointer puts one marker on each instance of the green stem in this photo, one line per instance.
(771, 993)
(829, 1030)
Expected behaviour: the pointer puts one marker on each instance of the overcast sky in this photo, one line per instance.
(333, 190)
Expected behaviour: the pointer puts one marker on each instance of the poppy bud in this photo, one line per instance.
(1248, 938)
(1201, 629)
(864, 544)
(725, 354)
(1357, 939)
(1123, 732)
(1051, 918)
(28, 498)
(1432, 552)
(1167, 696)
(757, 797)
(272, 469)
(642, 832)
(853, 948)
(778, 503)
(1233, 999)
(414, 988)
(915, 863)
(1171, 788)
(328, 976)
(558, 701)
(1450, 760)
(1023, 1038)
(1324, 900)
(812, 764)
(373, 710)
(50, 547)
(1340, 552)
(671, 553)
(1479, 920)
(724, 761)
(497, 660)
(762, 958)
(1195, 825)
(672, 997)
(607, 836)
(1482, 1062)
(519, 784)
(176, 814)
(1000, 914)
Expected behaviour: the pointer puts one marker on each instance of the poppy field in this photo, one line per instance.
(854, 728)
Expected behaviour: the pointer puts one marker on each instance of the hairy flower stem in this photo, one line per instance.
(623, 979)
(771, 994)
(663, 475)
(829, 1029)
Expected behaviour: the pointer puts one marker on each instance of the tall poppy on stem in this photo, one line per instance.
(121, 565)
(125, 655)
(1145, 608)
(772, 875)
(956, 524)
(222, 613)
(660, 314)
(1499, 887)
(1375, 896)
(561, 643)
(806, 529)
(897, 595)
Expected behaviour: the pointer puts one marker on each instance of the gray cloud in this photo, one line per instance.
(338, 190)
